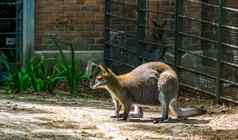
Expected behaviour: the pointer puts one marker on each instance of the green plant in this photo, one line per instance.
(72, 72)
(53, 77)
(4, 69)
(44, 77)
(18, 80)
(37, 71)
(70, 69)
(4, 63)
(38, 75)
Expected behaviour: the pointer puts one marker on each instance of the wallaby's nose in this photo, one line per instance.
(91, 83)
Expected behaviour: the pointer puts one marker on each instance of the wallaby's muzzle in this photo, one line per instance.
(91, 84)
(97, 84)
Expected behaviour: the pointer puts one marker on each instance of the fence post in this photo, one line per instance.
(28, 29)
(19, 31)
(178, 29)
(219, 51)
(205, 32)
(107, 29)
(141, 23)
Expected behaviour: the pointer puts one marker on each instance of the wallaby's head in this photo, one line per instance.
(103, 79)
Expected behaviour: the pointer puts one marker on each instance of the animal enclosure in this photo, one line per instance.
(11, 29)
(197, 37)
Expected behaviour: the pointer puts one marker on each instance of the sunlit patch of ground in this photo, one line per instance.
(74, 118)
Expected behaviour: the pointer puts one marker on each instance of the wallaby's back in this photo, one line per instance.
(142, 84)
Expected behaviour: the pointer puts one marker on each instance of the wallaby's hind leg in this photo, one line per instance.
(174, 108)
(165, 112)
(168, 88)
(164, 107)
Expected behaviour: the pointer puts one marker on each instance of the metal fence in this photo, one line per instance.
(198, 37)
(10, 29)
(11, 32)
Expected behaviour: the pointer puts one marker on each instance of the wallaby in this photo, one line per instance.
(152, 83)
(92, 70)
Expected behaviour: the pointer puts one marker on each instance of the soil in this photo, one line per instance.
(34, 117)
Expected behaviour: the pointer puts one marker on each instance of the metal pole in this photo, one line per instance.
(107, 28)
(19, 31)
(219, 51)
(205, 33)
(141, 22)
(28, 30)
(178, 29)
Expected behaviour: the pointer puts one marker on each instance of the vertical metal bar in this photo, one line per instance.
(28, 29)
(219, 51)
(141, 22)
(107, 28)
(205, 32)
(178, 28)
(19, 27)
(124, 13)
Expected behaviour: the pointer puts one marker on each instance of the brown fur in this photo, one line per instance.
(151, 83)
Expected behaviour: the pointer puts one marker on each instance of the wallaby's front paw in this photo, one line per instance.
(161, 120)
(121, 119)
(124, 117)
(114, 116)
(135, 115)
(164, 121)
(117, 116)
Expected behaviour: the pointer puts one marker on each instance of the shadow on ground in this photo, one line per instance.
(40, 117)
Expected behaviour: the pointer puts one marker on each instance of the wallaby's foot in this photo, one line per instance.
(125, 116)
(138, 112)
(123, 119)
(181, 118)
(120, 115)
(113, 116)
(131, 115)
(161, 120)
(136, 115)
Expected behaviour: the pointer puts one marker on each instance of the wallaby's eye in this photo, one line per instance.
(100, 78)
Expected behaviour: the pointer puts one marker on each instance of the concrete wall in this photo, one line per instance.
(81, 56)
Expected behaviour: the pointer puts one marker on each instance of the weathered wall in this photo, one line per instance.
(79, 20)
(84, 19)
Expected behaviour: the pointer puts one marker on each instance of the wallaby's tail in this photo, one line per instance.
(189, 112)
(185, 112)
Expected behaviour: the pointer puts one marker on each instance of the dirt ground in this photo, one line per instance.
(24, 117)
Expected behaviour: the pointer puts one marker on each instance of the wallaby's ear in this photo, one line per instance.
(90, 67)
(105, 69)
(109, 70)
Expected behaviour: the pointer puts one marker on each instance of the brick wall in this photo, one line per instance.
(81, 21)
(231, 3)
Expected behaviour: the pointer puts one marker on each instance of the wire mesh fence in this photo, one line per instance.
(10, 33)
(197, 37)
